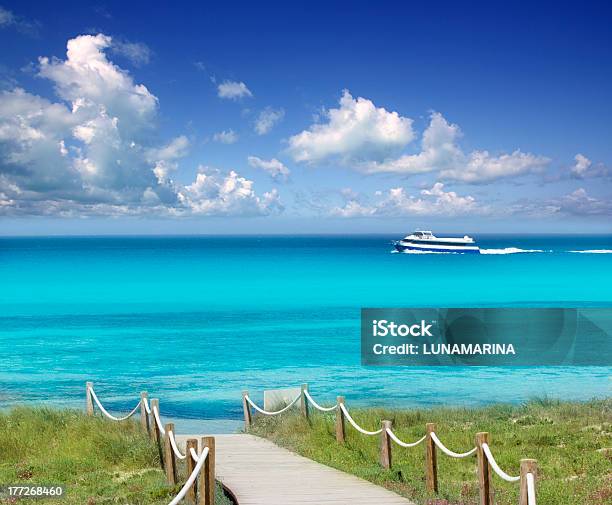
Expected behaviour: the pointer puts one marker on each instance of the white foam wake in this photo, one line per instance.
(510, 250)
(594, 251)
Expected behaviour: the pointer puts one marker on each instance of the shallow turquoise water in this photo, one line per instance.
(194, 320)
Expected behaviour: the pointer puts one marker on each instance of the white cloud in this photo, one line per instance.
(267, 119)
(214, 193)
(580, 203)
(439, 151)
(226, 137)
(233, 90)
(369, 139)
(275, 168)
(10, 19)
(396, 202)
(481, 167)
(7, 18)
(138, 53)
(96, 151)
(353, 208)
(357, 130)
(583, 168)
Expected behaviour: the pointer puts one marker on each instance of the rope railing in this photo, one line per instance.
(192, 478)
(196, 464)
(355, 425)
(174, 446)
(531, 493)
(275, 413)
(145, 403)
(106, 413)
(432, 442)
(448, 452)
(160, 426)
(152, 423)
(495, 466)
(316, 405)
(404, 444)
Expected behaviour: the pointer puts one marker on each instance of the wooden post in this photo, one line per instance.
(156, 434)
(144, 418)
(169, 456)
(192, 492)
(340, 422)
(527, 466)
(431, 463)
(207, 474)
(304, 402)
(385, 445)
(89, 399)
(484, 470)
(246, 408)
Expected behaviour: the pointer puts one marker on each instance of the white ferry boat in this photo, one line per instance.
(425, 241)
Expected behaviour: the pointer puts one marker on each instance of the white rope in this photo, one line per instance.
(191, 479)
(495, 466)
(531, 495)
(175, 447)
(404, 444)
(267, 413)
(355, 425)
(448, 452)
(106, 413)
(160, 426)
(146, 405)
(194, 454)
(316, 405)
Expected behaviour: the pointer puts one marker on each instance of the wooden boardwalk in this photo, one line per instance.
(259, 472)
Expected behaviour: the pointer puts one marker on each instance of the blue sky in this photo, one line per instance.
(304, 117)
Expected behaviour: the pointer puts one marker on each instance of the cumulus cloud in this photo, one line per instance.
(275, 168)
(396, 202)
(95, 151)
(233, 90)
(213, 193)
(356, 130)
(439, 151)
(580, 203)
(583, 168)
(481, 167)
(226, 137)
(138, 53)
(267, 118)
(369, 139)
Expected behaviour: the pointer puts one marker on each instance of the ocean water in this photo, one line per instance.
(195, 320)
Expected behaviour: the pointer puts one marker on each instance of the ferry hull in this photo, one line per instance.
(419, 248)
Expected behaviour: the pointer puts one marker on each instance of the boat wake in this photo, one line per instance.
(508, 250)
(594, 251)
(511, 250)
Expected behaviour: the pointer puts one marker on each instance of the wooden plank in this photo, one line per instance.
(261, 473)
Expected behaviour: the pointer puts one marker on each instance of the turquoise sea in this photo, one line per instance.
(195, 320)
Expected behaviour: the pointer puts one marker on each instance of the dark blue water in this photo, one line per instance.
(194, 320)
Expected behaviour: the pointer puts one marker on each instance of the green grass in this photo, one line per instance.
(571, 441)
(98, 461)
